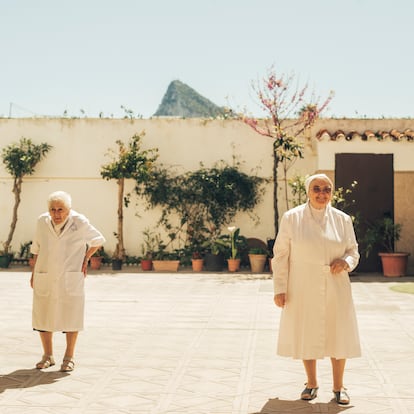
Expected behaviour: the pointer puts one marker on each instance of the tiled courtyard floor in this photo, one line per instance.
(197, 344)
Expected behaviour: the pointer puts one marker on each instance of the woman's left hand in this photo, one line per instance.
(338, 266)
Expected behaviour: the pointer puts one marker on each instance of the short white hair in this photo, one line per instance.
(62, 196)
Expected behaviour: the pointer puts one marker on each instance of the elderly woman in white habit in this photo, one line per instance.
(62, 246)
(313, 253)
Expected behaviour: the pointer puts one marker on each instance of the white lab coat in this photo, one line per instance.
(58, 283)
(318, 319)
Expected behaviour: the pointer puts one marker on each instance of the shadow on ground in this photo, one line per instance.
(278, 406)
(27, 378)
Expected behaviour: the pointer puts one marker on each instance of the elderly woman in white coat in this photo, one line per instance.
(313, 253)
(62, 246)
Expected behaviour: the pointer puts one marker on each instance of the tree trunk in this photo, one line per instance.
(275, 186)
(120, 251)
(285, 183)
(17, 189)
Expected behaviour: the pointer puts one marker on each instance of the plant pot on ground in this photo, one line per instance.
(233, 265)
(231, 245)
(257, 259)
(197, 262)
(166, 265)
(116, 264)
(5, 260)
(147, 249)
(382, 235)
(394, 264)
(146, 264)
(95, 262)
(214, 257)
(165, 261)
(214, 262)
(97, 258)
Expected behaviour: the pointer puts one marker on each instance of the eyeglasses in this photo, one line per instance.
(317, 190)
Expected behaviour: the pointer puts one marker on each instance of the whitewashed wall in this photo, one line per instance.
(80, 145)
(79, 148)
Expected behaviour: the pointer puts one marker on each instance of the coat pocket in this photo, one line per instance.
(74, 283)
(41, 284)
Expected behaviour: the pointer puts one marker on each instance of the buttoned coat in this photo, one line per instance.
(58, 280)
(318, 319)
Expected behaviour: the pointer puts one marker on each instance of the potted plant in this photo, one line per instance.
(382, 234)
(146, 262)
(214, 257)
(5, 258)
(257, 259)
(147, 249)
(96, 259)
(128, 162)
(204, 201)
(116, 263)
(24, 253)
(232, 244)
(164, 260)
(20, 160)
(118, 255)
(197, 261)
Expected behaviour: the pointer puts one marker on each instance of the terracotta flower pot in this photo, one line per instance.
(257, 262)
(233, 265)
(394, 264)
(95, 262)
(146, 264)
(197, 265)
(166, 265)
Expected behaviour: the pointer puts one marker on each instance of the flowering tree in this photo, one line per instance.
(289, 113)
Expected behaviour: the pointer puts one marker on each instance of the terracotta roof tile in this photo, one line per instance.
(366, 135)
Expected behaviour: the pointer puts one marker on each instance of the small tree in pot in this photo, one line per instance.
(129, 162)
(382, 234)
(20, 160)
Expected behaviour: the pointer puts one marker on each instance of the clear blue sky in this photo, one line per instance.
(97, 55)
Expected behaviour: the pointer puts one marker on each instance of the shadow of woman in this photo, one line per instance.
(278, 406)
(27, 378)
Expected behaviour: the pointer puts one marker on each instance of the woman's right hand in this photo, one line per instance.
(280, 300)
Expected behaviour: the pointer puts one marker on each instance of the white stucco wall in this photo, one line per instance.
(79, 148)
(80, 145)
(403, 152)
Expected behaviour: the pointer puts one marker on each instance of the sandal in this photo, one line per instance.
(309, 393)
(67, 365)
(46, 362)
(342, 397)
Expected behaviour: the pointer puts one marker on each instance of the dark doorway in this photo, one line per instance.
(373, 195)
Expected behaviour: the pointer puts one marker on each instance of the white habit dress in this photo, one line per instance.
(318, 319)
(58, 282)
